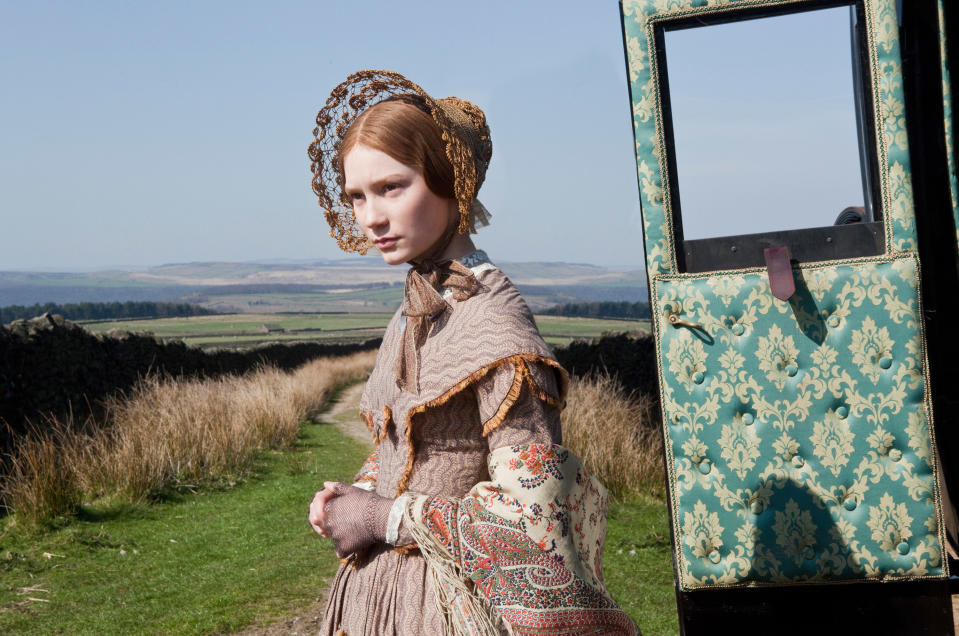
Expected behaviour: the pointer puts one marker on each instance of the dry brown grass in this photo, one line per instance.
(175, 433)
(614, 435)
(170, 433)
(41, 474)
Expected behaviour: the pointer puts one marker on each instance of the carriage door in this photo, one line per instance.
(781, 249)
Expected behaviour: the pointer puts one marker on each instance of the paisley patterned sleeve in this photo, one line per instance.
(518, 403)
(524, 548)
(366, 477)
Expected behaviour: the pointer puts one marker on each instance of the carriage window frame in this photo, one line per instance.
(812, 244)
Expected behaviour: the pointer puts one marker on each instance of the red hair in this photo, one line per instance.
(403, 128)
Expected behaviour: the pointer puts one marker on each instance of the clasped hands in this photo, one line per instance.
(352, 518)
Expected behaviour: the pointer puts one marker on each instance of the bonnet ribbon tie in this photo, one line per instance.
(421, 303)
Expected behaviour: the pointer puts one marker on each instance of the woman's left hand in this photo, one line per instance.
(316, 517)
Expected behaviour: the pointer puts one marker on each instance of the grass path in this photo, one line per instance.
(345, 415)
(211, 562)
(638, 564)
(242, 558)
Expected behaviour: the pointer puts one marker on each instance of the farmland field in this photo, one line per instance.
(242, 330)
(561, 330)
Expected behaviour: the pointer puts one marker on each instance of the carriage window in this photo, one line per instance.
(770, 129)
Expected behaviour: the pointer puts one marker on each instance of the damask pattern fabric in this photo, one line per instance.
(799, 455)
(798, 433)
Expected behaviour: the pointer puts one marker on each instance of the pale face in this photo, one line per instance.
(398, 212)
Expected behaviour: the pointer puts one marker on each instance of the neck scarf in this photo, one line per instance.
(421, 304)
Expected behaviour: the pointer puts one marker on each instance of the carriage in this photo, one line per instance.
(804, 285)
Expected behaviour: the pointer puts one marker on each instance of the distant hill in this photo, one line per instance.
(352, 284)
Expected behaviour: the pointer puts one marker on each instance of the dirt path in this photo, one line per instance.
(345, 415)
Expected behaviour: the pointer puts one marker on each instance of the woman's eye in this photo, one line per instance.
(356, 196)
(389, 187)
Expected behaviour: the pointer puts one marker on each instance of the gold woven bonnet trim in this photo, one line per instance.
(463, 127)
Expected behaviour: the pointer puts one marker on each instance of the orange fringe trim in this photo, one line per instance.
(521, 373)
(367, 417)
(407, 549)
(387, 420)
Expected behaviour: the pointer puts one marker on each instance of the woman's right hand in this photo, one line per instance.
(317, 517)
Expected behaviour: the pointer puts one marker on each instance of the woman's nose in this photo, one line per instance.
(374, 214)
(371, 215)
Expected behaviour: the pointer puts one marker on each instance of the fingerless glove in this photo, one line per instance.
(356, 519)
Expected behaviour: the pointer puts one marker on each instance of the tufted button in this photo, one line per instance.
(895, 454)
(791, 369)
(798, 461)
(748, 418)
(677, 418)
(833, 321)
(714, 556)
(849, 504)
(738, 329)
(842, 412)
(705, 466)
(698, 377)
(756, 507)
(885, 362)
(808, 553)
(902, 548)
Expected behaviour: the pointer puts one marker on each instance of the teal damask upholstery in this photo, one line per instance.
(797, 432)
(798, 437)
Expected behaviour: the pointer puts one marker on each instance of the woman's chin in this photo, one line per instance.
(393, 257)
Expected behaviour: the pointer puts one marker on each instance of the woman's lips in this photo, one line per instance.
(384, 243)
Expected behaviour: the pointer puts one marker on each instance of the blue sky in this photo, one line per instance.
(140, 133)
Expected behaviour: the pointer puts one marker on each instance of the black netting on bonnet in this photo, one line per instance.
(463, 128)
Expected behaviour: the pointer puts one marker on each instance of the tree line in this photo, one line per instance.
(606, 309)
(104, 311)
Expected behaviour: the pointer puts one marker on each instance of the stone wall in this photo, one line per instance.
(631, 359)
(50, 365)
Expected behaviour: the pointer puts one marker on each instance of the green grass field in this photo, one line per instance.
(222, 559)
(560, 330)
(230, 330)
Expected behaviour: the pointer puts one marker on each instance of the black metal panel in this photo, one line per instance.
(877, 609)
(805, 246)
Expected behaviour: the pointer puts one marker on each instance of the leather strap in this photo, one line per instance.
(780, 271)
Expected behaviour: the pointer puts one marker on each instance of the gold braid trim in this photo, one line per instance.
(518, 361)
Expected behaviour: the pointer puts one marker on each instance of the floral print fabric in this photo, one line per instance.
(530, 540)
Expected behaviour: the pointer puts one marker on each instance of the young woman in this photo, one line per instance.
(469, 517)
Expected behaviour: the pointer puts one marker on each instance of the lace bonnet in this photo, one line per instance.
(463, 127)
